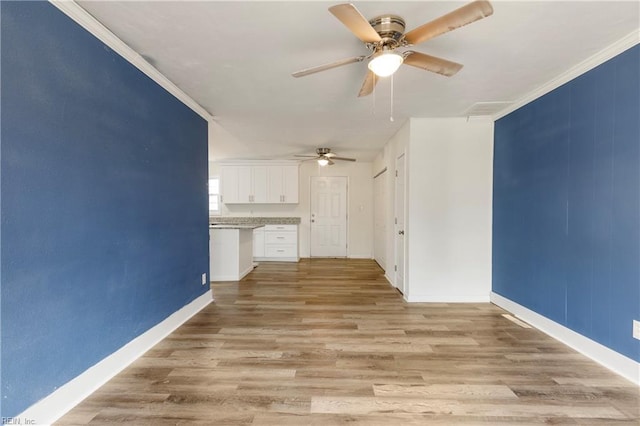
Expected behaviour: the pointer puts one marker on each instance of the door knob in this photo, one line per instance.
(400, 232)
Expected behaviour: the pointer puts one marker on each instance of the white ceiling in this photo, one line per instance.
(235, 59)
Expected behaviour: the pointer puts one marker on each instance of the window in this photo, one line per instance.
(214, 195)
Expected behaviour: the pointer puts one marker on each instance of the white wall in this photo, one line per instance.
(449, 210)
(360, 201)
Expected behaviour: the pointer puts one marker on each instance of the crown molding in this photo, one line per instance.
(588, 64)
(91, 24)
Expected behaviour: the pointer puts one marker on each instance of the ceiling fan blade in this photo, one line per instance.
(306, 156)
(325, 67)
(355, 22)
(432, 63)
(369, 83)
(462, 16)
(343, 158)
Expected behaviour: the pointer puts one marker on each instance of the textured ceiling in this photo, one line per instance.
(236, 59)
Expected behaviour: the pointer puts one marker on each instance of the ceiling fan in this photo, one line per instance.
(325, 157)
(384, 34)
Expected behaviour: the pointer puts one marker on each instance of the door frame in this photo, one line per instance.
(396, 200)
(346, 217)
(381, 179)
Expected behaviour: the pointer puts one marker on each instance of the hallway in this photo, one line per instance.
(330, 342)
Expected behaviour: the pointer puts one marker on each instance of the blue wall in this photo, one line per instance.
(566, 208)
(104, 203)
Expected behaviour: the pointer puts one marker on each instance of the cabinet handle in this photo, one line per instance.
(280, 238)
(280, 251)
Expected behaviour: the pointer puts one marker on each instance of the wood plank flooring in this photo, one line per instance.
(330, 342)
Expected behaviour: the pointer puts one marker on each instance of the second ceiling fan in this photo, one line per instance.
(325, 157)
(384, 34)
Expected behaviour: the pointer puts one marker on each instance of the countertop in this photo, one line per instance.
(235, 226)
(253, 220)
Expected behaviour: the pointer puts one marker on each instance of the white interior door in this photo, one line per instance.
(328, 216)
(380, 219)
(399, 224)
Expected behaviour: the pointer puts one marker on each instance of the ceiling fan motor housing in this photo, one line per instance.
(323, 151)
(390, 28)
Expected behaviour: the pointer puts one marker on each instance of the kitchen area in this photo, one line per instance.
(276, 198)
(238, 243)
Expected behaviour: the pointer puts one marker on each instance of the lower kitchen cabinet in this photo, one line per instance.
(278, 243)
(258, 242)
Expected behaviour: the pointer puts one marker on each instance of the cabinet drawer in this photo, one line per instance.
(281, 237)
(289, 250)
(281, 227)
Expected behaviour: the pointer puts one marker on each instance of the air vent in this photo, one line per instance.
(486, 108)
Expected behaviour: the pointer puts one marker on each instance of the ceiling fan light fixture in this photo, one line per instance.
(385, 64)
(323, 161)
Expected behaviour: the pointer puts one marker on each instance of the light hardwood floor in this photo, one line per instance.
(330, 342)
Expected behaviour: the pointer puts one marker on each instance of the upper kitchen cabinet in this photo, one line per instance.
(262, 182)
(230, 184)
(283, 184)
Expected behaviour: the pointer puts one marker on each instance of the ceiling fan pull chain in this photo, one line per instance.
(391, 113)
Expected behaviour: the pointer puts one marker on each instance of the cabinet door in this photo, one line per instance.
(229, 181)
(258, 242)
(290, 184)
(259, 184)
(274, 189)
(245, 193)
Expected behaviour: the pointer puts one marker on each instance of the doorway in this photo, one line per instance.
(328, 216)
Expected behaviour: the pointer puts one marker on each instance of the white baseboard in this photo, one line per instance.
(614, 361)
(389, 279)
(360, 256)
(448, 297)
(55, 405)
(276, 259)
(232, 277)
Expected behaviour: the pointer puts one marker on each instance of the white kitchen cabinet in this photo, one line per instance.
(280, 243)
(230, 185)
(244, 184)
(290, 184)
(230, 253)
(264, 182)
(258, 242)
(259, 181)
(283, 184)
